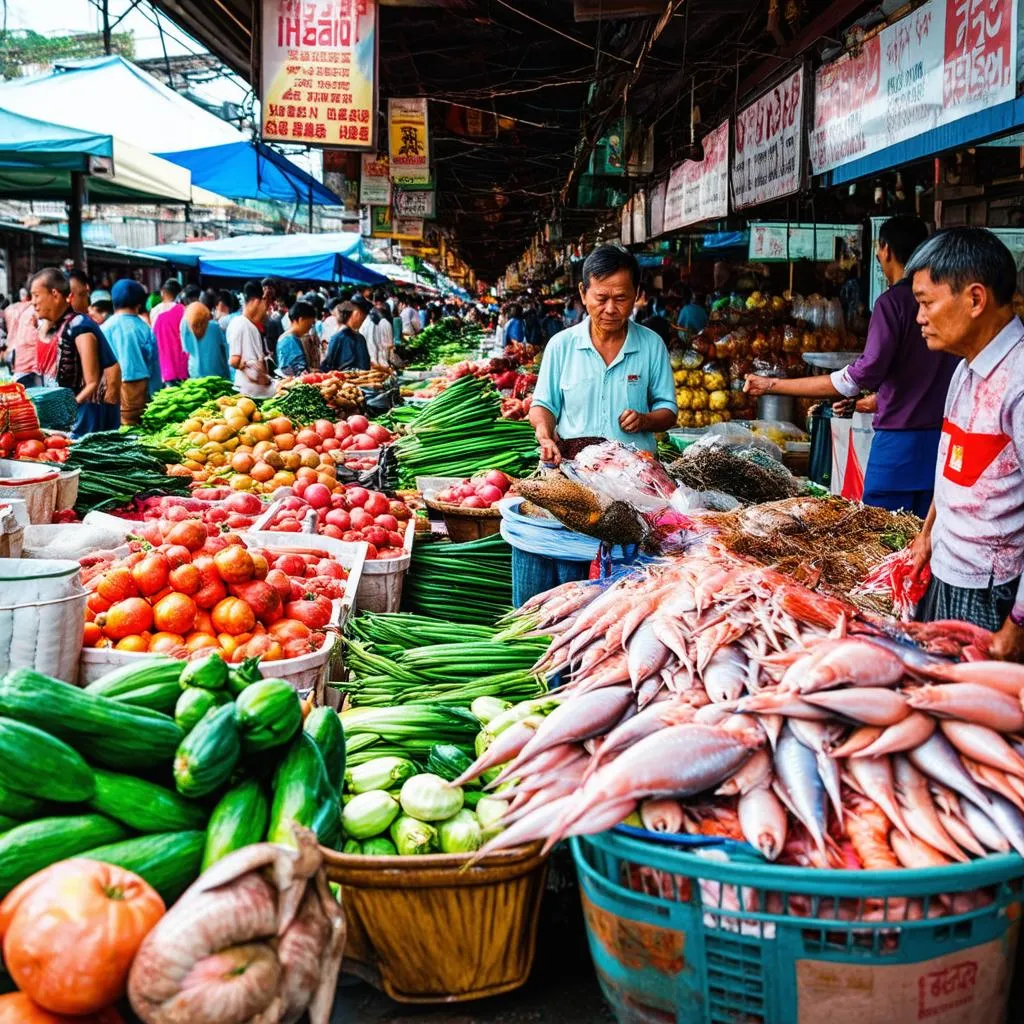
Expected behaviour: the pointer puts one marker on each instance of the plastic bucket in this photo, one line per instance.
(696, 939)
(36, 486)
(67, 488)
(382, 580)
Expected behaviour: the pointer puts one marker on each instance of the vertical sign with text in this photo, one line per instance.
(409, 140)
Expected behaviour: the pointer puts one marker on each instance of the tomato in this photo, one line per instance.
(261, 597)
(204, 622)
(279, 580)
(260, 565)
(71, 931)
(175, 613)
(200, 641)
(151, 573)
(167, 643)
(292, 565)
(230, 644)
(190, 534)
(234, 616)
(330, 530)
(290, 629)
(138, 643)
(96, 603)
(91, 635)
(329, 567)
(133, 615)
(288, 525)
(264, 647)
(310, 609)
(185, 579)
(117, 584)
(29, 449)
(234, 564)
(209, 594)
(376, 504)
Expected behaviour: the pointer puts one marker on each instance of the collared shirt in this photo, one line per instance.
(978, 536)
(586, 397)
(382, 344)
(132, 340)
(23, 337)
(291, 356)
(245, 341)
(693, 317)
(910, 379)
(347, 351)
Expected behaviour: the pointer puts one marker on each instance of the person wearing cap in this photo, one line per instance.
(133, 343)
(101, 306)
(347, 349)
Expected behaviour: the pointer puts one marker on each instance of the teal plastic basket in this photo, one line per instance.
(694, 938)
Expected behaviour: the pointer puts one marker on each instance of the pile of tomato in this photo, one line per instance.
(201, 590)
(49, 448)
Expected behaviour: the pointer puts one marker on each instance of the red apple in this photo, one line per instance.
(388, 522)
(358, 423)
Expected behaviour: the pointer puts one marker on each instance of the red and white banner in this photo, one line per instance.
(699, 191)
(768, 152)
(945, 60)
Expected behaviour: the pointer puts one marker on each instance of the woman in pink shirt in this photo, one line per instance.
(173, 357)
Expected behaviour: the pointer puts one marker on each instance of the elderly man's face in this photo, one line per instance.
(948, 318)
(609, 300)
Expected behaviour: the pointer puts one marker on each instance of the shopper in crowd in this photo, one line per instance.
(247, 346)
(515, 328)
(382, 348)
(226, 308)
(607, 378)
(574, 312)
(204, 341)
(369, 326)
(347, 349)
(298, 343)
(101, 308)
(86, 364)
(168, 299)
(910, 379)
(23, 340)
(132, 341)
(973, 537)
(331, 323)
(693, 315)
(411, 322)
(14, 309)
(166, 323)
(553, 321)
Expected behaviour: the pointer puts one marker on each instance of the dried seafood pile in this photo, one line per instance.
(747, 473)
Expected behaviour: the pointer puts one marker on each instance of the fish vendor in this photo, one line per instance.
(910, 381)
(964, 280)
(603, 379)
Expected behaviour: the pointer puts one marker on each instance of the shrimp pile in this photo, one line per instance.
(711, 695)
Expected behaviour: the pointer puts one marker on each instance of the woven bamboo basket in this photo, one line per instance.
(465, 524)
(428, 930)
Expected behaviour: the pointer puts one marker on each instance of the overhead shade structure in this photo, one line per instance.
(114, 96)
(332, 257)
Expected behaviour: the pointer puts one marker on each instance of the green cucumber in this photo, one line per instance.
(239, 819)
(207, 756)
(36, 763)
(19, 805)
(144, 806)
(269, 714)
(324, 725)
(169, 862)
(448, 761)
(123, 682)
(300, 786)
(327, 823)
(193, 704)
(38, 844)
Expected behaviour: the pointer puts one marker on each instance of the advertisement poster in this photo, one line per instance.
(782, 242)
(945, 60)
(768, 152)
(375, 180)
(380, 221)
(699, 191)
(409, 141)
(658, 193)
(640, 217)
(407, 229)
(319, 72)
(414, 204)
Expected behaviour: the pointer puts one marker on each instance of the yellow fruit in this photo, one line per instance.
(224, 401)
(292, 460)
(310, 458)
(217, 459)
(221, 432)
(256, 417)
(282, 478)
(272, 457)
(240, 482)
(195, 455)
(246, 406)
(192, 465)
(231, 444)
(260, 448)
(197, 439)
(208, 425)
(191, 425)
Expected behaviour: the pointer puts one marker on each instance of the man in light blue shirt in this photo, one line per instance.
(133, 343)
(607, 377)
(692, 315)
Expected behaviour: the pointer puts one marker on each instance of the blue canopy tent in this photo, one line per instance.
(332, 257)
(26, 142)
(110, 94)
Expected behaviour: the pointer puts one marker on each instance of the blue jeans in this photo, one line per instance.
(533, 574)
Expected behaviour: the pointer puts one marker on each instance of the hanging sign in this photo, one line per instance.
(320, 72)
(699, 191)
(380, 221)
(782, 242)
(410, 145)
(640, 217)
(626, 223)
(414, 204)
(407, 228)
(375, 180)
(768, 158)
(658, 193)
(945, 60)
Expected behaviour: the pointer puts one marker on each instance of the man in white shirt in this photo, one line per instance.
(382, 350)
(411, 323)
(247, 347)
(169, 292)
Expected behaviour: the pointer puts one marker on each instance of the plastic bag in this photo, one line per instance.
(621, 472)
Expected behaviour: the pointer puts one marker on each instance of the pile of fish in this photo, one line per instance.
(711, 695)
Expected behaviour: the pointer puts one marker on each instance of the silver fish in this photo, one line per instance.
(986, 831)
(919, 810)
(797, 773)
(874, 777)
(641, 725)
(757, 772)
(963, 836)
(763, 820)
(817, 736)
(646, 654)
(938, 759)
(1008, 820)
(726, 674)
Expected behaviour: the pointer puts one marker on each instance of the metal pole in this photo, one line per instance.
(75, 243)
(105, 8)
(311, 209)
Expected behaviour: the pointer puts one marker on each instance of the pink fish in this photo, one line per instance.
(983, 744)
(970, 702)
(1005, 676)
(856, 662)
(505, 746)
(647, 722)
(872, 705)
(646, 654)
(763, 820)
(856, 741)
(991, 778)
(662, 815)
(874, 778)
(757, 772)
(915, 853)
(905, 735)
(919, 809)
(962, 835)
(776, 702)
(677, 761)
(710, 640)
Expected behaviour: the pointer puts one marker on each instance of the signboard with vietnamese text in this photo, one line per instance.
(319, 72)
(409, 203)
(409, 140)
(699, 191)
(407, 228)
(943, 61)
(768, 152)
(782, 242)
(375, 180)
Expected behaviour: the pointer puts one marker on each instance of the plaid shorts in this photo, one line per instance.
(986, 607)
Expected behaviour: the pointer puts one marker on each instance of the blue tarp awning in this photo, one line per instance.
(332, 257)
(112, 95)
(28, 142)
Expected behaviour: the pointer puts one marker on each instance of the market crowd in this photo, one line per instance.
(114, 348)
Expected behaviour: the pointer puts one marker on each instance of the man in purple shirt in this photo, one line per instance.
(910, 381)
